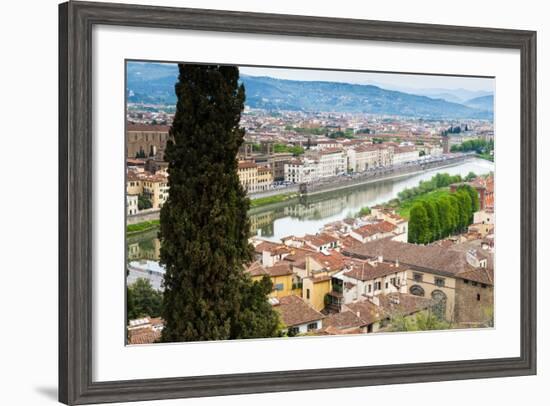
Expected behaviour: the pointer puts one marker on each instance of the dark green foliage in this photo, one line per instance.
(203, 225)
(348, 133)
(465, 209)
(479, 146)
(471, 176)
(419, 225)
(474, 199)
(439, 217)
(433, 219)
(455, 212)
(444, 215)
(438, 181)
(294, 149)
(142, 300)
(144, 202)
(255, 317)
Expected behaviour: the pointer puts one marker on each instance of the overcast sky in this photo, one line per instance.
(392, 81)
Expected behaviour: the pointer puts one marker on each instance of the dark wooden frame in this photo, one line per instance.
(75, 187)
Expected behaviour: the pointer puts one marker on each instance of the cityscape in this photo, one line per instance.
(369, 209)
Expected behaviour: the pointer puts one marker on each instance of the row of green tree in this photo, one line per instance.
(479, 146)
(347, 133)
(294, 149)
(306, 130)
(454, 130)
(438, 181)
(444, 215)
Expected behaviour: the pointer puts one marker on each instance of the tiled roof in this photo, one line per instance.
(279, 269)
(256, 269)
(320, 239)
(366, 311)
(247, 164)
(273, 248)
(144, 336)
(294, 311)
(433, 258)
(147, 128)
(344, 320)
(480, 275)
(334, 261)
(380, 227)
(364, 271)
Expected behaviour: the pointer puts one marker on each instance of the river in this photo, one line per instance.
(308, 215)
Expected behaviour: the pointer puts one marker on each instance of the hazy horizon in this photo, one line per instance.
(403, 82)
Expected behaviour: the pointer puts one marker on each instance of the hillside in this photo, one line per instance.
(154, 84)
(481, 103)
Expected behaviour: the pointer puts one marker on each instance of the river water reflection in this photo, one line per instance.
(308, 215)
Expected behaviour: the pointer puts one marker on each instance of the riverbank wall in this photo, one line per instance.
(341, 182)
(146, 215)
(329, 185)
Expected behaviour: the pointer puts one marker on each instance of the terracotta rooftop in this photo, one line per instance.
(364, 271)
(272, 247)
(247, 165)
(344, 320)
(319, 240)
(281, 268)
(143, 336)
(256, 269)
(433, 258)
(294, 311)
(332, 262)
(366, 311)
(380, 227)
(147, 128)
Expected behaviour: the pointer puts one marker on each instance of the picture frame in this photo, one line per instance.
(76, 384)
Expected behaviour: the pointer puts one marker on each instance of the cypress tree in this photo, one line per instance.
(455, 213)
(203, 225)
(433, 219)
(419, 231)
(444, 214)
(474, 199)
(466, 208)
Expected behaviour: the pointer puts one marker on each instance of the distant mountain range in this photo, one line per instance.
(154, 84)
(481, 103)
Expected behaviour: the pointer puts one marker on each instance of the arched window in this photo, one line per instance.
(440, 299)
(417, 290)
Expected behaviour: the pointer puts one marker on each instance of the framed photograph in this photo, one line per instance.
(260, 202)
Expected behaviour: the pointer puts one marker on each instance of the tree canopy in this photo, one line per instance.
(142, 300)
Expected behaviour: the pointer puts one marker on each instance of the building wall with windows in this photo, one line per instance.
(402, 155)
(248, 175)
(131, 204)
(282, 285)
(473, 303)
(431, 285)
(395, 282)
(331, 162)
(314, 290)
(146, 140)
(301, 171)
(264, 179)
(156, 189)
